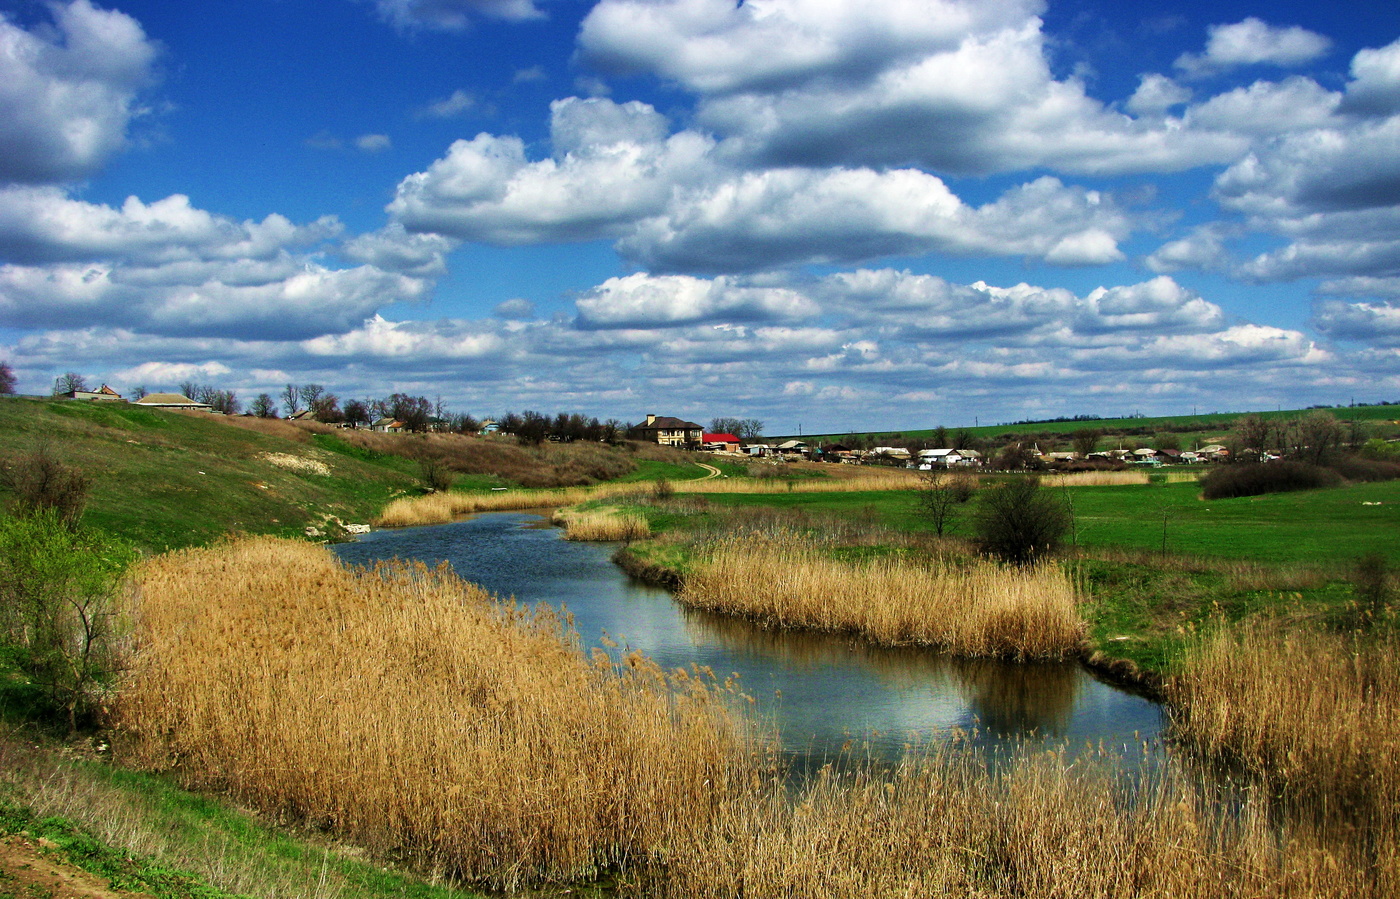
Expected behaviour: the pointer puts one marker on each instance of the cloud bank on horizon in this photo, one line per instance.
(843, 216)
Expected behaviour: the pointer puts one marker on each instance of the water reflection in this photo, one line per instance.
(823, 692)
(1011, 700)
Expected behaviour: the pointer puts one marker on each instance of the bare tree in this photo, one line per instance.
(291, 399)
(264, 406)
(1085, 441)
(940, 495)
(311, 394)
(1319, 435)
(356, 413)
(69, 382)
(1253, 433)
(7, 378)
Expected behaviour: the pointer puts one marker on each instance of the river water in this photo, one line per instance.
(822, 692)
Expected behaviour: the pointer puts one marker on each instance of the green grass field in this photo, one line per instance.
(1318, 527)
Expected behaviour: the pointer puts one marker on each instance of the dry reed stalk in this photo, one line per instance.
(897, 479)
(1096, 479)
(602, 525)
(439, 508)
(400, 707)
(942, 825)
(981, 610)
(404, 709)
(1182, 477)
(1315, 714)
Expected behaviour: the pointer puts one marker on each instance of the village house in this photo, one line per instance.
(668, 431)
(720, 443)
(171, 401)
(930, 459)
(106, 394)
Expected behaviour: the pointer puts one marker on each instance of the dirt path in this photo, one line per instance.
(713, 472)
(26, 871)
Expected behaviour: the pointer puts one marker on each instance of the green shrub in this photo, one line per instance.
(56, 611)
(41, 480)
(1357, 468)
(1019, 521)
(1258, 478)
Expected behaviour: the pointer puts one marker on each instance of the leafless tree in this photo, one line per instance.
(69, 382)
(940, 495)
(291, 399)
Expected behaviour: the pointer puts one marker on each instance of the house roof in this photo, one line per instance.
(667, 423)
(719, 438)
(170, 399)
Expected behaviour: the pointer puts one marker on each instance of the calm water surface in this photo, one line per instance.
(821, 691)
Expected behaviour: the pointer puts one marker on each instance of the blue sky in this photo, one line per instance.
(848, 216)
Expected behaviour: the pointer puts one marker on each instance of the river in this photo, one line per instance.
(822, 692)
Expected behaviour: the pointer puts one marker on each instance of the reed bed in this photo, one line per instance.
(402, 708)
(981, 609)
(941, 825)
(1316, 715)
(1096, 479)
(888, 479)
(439, 508)
(602, 524)
(405, 710)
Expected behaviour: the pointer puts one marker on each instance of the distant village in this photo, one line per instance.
(733, 437)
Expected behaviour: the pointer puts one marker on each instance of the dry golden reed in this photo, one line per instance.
(1316, 715)
(406, 711)
(982, 609)
(437, 508)
(402, 708)
(1096, 479)
(602, 524)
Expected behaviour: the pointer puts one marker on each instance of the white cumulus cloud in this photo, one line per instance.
(69, 91)
(1254, 42)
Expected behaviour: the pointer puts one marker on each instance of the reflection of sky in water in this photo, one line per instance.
(822, 690)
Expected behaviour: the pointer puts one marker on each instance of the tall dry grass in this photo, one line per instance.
(868, 480)
(941, 825)
(1316, 715)
(1096, 479)
(402, 708)
(602, 524)
(438, 508)
(981, 609)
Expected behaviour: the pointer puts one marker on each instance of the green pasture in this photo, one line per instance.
(1317, 527)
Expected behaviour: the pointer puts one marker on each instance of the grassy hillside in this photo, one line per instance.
(165, 479)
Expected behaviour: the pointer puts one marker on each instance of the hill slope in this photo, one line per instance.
(165, 479)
